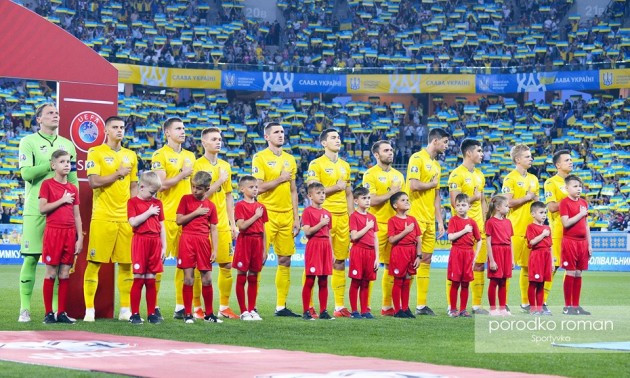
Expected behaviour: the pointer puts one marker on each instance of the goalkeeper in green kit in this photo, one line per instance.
(35, 152)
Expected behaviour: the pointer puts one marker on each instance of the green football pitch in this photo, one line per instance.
(437, 340)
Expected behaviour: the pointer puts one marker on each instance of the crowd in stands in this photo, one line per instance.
(594, 129)
(486, 36)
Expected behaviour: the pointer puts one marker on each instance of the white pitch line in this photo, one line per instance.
(70, 99)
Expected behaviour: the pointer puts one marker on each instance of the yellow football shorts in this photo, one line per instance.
(428, 236)
(110, 241)
(224, 247)
(340, 234)
(482, 258)
(521, 251)
(279, 232)
(556, 248)
(173, 233)
(384, 248)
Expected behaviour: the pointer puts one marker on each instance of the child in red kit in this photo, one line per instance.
(540, 259)
(318, 254)
(576, 244)
(249, 254)
(463, 232)
(363, 262)
(63, 234)
(500, 257)
(148, 245)
(198, 218)
(404, 235)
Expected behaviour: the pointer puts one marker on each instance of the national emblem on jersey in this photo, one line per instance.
(125, 159)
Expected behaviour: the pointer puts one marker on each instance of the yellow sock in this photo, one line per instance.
(448, 293)
(158, 282)
(507, 290)
(477, 288)
(387, 285)
(283, 280)
(225, 286)
(125, 281)
(369, 300)
(197, 290)
(90, 283)
(423, 276)
(338, 283)
(524, 285)
(179, 286)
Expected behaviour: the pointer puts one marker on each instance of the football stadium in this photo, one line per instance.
(315, 188)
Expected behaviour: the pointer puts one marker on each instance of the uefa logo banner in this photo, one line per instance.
(87, 130)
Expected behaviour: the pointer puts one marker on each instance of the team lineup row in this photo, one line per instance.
(112, 175)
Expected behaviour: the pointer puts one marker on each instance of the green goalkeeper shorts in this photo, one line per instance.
(32, 234)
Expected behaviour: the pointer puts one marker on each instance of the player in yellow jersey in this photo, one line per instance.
(275, 171)
(173, 165)
(470, 180)
(220, 193)
(334, 174)
(556, 191)
(423, 186)
(383, 181)
(113, 176)
(521, 189)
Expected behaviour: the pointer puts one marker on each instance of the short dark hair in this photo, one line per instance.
(57, 154)
(377, 145)
(170, 122)
(468, 144)
(313, 186)
(269, 125)
(438, 133)
(556, 156)
(360, 191)
(537, 205)
(246, 178)
(113, 118)
(40, 109)
(461, 197)
(324, 134)
(570, 178)
(209, 130)
(395, 197)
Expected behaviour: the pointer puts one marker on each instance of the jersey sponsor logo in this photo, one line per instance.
(87, 129)
(414, 169)
(43, 149)
(89, 164)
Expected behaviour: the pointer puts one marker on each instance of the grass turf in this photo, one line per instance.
(438, 340)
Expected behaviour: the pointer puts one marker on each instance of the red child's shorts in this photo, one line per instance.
(248, 253)
(540, 265)
(503, 257)
(58, 245)
(362, 263)
(574, 254)
(401, 260)
(460, 264)
(146, 254)
(194, 252)
(318, 257)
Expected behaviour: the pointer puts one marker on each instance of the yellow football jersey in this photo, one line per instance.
(517, 185)
(171, 162)
(327, 172)
(110, 202)
(422, 168)
(379, 182)
(218, 197)
(555, 191)
(267, 166)
(464, 181)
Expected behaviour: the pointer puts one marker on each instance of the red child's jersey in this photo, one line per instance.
(245, 210)
(533, 230)
(137, 206)
(570, 208)
(312, 216)
(457, 224)
(396, 225)
(201, 224)
(63, 216)
(357, 223)
(500, 231)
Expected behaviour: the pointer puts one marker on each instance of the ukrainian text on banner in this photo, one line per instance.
(168, 77)
(613, 79)
(368, 83)
(283, 82)
(538, 82)
(451, 83)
